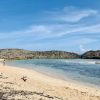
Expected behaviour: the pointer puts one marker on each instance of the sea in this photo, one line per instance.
(84, 71)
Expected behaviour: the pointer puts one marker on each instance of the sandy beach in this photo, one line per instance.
(38, 86)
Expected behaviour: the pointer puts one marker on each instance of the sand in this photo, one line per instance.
(38, 86)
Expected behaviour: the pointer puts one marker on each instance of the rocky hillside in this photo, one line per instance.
(91, 55)
(25, 54)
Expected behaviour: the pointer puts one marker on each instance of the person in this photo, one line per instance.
(4, 62)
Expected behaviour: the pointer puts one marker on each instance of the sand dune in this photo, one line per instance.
(37, 86)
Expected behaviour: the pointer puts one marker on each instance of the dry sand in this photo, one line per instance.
(40, 87)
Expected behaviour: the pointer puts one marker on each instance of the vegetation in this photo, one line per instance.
(26, 54)
(19, 54)
(91, 55)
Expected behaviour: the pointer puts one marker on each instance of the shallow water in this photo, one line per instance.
(79, 70)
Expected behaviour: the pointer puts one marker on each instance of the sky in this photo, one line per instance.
(69, 25)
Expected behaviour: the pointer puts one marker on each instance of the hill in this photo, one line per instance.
(91, 55)
(26, 54)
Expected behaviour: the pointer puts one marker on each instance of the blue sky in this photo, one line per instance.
(70, 25)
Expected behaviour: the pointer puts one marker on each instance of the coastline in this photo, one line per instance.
(41, 83)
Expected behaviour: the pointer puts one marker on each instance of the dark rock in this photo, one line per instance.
(24, 78)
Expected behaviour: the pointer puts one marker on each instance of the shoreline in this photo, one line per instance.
(57, 76)
(66, 82)
(44, 82)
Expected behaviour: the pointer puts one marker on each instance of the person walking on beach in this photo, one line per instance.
(4, 62)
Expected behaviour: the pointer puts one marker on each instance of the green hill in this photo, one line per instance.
(26, 54)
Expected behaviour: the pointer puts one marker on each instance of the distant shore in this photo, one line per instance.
(19, 54)
(20, 83)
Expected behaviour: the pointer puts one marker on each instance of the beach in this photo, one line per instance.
(38, 86)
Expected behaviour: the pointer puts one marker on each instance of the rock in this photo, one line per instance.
(24, 78)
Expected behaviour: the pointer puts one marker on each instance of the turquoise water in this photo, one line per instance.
(84, 71)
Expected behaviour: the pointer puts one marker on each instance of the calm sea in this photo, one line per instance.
(79, 70)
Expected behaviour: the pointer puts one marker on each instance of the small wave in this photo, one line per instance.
(91, 62)
(82, 62)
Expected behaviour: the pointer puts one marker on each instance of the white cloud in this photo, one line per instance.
(52, 31)
(76, 16)
(67, 28)
(83, 49)
(82, 30)
(39, 29)
(72, 14)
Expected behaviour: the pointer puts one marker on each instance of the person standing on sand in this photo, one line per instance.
(4, 62)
